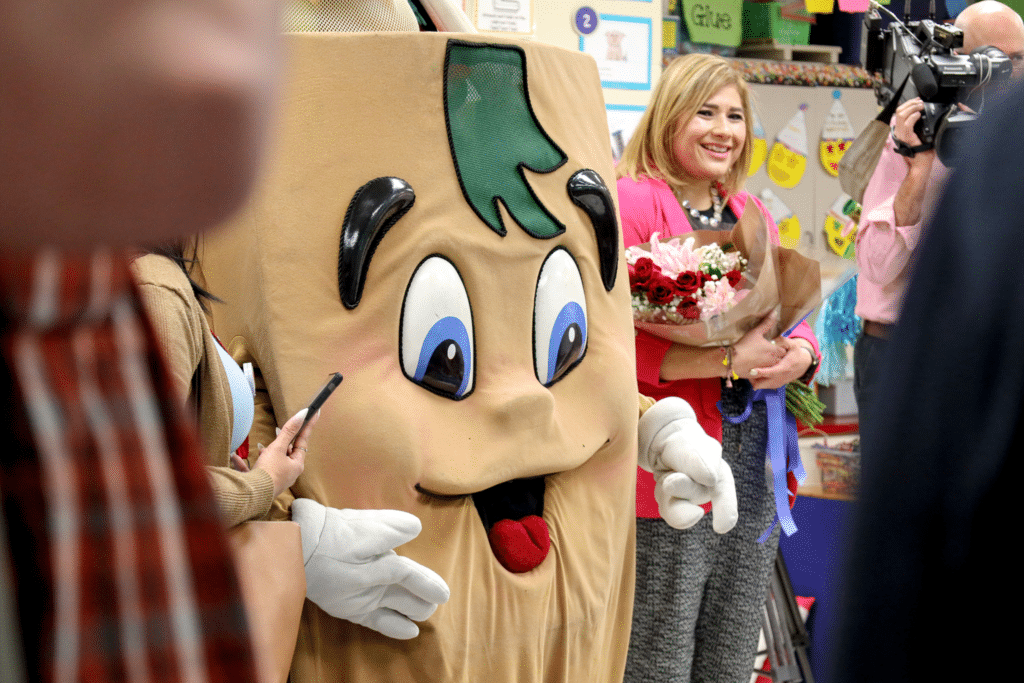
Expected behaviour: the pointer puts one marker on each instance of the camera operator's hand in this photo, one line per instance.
(906, 117)
(909, 201)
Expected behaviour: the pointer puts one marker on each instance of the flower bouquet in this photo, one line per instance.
(702, 290)
(680, 283)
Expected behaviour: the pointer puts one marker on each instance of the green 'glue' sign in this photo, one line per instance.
(719, 22)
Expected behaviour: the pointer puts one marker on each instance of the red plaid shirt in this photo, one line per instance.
(121, 570)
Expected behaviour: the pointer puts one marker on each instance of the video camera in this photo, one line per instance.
(921, 55)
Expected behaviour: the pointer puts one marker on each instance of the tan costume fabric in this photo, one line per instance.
(184, 334)
(360, 107)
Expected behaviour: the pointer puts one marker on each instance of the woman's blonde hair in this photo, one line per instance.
(685, 85)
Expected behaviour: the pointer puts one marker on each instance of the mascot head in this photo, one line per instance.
(438, 223)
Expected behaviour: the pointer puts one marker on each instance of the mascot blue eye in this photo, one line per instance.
(559, 318)
(436, 337)
(442, 364)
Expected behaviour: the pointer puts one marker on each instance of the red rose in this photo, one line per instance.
(688, 309)
(641, 272)
(734, 277)
(688, 282)
(661, 289)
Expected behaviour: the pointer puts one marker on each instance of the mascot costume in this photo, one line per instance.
(438, 223)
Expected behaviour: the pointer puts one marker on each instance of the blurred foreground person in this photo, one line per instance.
(120, 123)
(929, 573)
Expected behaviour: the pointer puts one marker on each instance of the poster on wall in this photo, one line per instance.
(622, 122)
(621, 46)
(505, 16)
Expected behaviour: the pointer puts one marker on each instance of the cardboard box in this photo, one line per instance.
(839, 399)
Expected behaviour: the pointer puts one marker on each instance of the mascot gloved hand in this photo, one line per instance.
(687, 466)
(353, 573)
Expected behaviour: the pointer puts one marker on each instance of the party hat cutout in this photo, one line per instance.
(836, 136)
(788, 158)
(789, 224)
(841, 225)
(759, 146)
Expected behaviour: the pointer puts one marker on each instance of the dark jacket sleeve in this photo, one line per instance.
(929, 576)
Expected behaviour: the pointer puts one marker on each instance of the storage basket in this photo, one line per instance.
(840, 467)
(763, 22)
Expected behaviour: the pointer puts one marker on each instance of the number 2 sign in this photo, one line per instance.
(585, 20)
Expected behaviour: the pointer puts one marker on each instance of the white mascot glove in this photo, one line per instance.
(353, 573)
(687, 465)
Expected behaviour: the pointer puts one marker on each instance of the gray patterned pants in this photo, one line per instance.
(699, 595)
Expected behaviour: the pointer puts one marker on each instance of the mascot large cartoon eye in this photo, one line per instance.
(559, 318)
(436, 337)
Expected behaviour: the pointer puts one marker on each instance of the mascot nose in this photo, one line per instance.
(530, 410)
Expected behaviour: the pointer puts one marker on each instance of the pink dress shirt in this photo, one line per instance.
(884, 249)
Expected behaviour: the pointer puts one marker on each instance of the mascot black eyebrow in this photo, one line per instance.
(435, 225)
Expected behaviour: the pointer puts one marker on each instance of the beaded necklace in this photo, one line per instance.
(716, 203)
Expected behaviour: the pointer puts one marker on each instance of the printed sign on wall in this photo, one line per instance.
(506, 16)
(719, 22)
(621, 46)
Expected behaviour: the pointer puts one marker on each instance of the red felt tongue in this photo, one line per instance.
(520, 545)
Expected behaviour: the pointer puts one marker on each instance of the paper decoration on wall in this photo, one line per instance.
(862, 6)
(788, 159)
(841, 225)
(789, 224)
(759, 146)
(819, 6)
(836, 136)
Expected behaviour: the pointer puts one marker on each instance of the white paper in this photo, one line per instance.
(506, 16)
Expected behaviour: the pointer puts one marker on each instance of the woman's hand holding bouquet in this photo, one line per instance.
(755, 353)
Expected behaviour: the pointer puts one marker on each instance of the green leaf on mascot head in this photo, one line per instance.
(494, 135)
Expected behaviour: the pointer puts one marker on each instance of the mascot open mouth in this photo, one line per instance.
(512, 515)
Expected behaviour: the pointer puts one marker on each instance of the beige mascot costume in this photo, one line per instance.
(438, 224)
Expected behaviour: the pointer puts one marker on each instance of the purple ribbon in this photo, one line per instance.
(783, 448)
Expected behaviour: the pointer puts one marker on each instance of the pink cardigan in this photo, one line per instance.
(649, 206)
